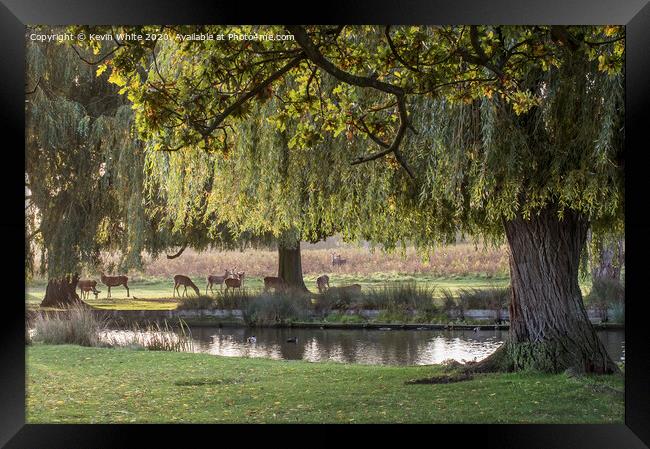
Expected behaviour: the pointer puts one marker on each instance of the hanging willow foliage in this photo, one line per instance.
(84, 167)
(547, 130)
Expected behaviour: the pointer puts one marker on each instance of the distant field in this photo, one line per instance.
(156, 293)
(462, 259)
(458, 266)
(454, 267)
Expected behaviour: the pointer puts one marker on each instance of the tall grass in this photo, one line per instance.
(607, 294)
(154, 338)
(462, 259)
(275, 308)
(403, 296)
(495, 298)
(78, 326)
(197, 302)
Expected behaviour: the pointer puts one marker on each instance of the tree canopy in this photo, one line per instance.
(474, 124)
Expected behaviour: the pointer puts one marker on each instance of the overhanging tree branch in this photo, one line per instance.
(248, 95)
(399, 57)
(180, 251)
(314, 54)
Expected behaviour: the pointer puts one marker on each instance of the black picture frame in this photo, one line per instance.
(635, 14)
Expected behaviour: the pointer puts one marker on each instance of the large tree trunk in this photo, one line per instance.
(62, 292)
(549, 327)
(290, 266)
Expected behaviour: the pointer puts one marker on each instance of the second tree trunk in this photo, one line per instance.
(290, 266)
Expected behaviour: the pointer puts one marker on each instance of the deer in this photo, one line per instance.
(338, 260)
(86, 286)
(233, 281)
(274, 282)
(240, 275)
(179, 280)
(217, 280)
(323, 283)
(114, 281)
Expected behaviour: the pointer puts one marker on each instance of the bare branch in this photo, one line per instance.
(317, 57)
(94, 62)
(180, 251)
(314, 54)
(396, 53)
(248, 95)
(35, 87)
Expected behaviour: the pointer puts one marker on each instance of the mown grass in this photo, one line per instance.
(73, 384)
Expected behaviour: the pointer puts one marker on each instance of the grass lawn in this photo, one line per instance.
(73, 384)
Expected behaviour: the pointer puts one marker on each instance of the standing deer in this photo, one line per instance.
(323, 283)
(114, 281)
(240, 275)
(86, 286)
(338, 260)
(179, 280)
(233, 281)
(274, 282)
(217, 280)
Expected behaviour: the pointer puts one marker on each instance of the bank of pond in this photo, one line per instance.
(378, 344)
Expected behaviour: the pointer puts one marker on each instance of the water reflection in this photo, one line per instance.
(374, 347)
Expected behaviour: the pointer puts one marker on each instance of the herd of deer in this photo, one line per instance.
(231, 278)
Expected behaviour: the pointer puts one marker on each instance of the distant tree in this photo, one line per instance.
(83, 187)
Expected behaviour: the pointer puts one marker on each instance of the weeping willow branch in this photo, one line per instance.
(35, 87)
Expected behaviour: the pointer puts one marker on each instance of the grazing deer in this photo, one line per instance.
(274, 282)
(338, 260)
(217, 280)
(179, 280)
(114, 281)
(323, 283)
(86, 286)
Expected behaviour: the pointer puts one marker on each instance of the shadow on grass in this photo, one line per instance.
(443, 379)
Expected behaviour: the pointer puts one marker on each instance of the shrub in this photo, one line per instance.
(80, 327)
(238, 299)
(488, 298)
(196, 302)
(155, 338)
(344, 318)
(324, 304)
(405, 296)
(607, 294)
(275, 308)
(393, 316)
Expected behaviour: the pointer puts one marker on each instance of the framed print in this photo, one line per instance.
(379, 214)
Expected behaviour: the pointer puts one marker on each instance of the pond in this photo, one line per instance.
(372, 347)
